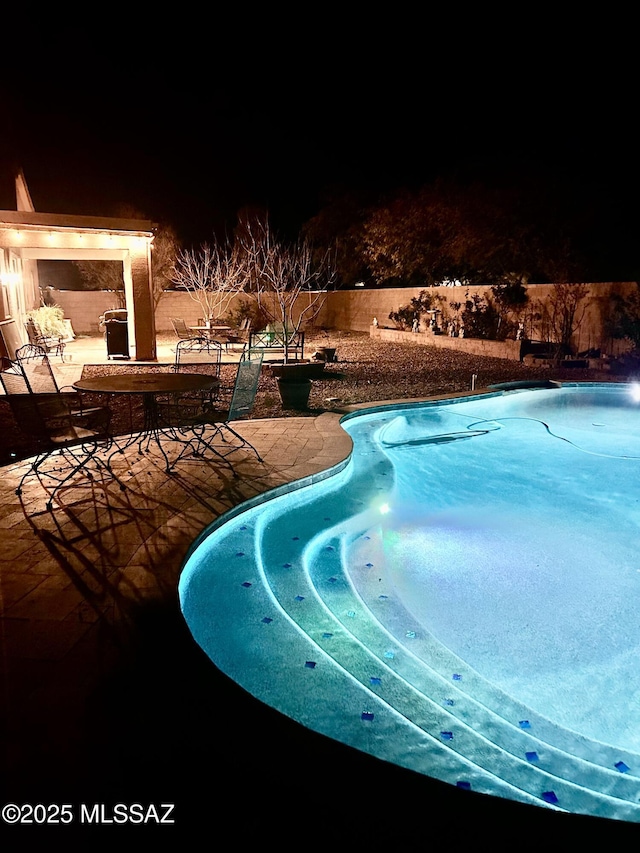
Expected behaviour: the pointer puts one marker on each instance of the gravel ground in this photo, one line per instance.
(365, 371)
(368, 371)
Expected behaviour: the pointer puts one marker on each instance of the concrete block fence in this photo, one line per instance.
(354, 310)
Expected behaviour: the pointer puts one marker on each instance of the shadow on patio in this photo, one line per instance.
(105, 696)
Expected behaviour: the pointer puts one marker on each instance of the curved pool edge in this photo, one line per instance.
(326, 463)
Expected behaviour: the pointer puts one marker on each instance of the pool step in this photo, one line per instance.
(286, 622)
(423, 696)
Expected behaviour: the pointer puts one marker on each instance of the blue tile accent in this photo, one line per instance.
(366, 715)
(621, 766)
(531, 756)
(375, 680)
(267, 620)
(299, 597)
(524, 724)
(457, 677)
(446, 735)
(549, 797)
(464, 785)
(310, 664)
(246, 584)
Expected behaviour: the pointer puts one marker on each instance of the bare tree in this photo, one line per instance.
(212, 275)
(289, 281)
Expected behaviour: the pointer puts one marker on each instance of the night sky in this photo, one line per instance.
(192, 143)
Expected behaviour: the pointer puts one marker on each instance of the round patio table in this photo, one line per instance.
(149, 386)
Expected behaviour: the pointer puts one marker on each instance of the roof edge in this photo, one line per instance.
(60, 220)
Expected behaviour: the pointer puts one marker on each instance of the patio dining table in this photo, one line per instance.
(211, 328)
(150, 386)
(213, 332)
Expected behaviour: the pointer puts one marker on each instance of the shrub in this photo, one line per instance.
(481, 319)
(50, 320)
(248, 309)
(405, 315)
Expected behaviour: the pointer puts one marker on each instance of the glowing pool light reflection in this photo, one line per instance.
(461, 599)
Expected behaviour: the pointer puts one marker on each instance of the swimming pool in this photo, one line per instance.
(459, 600)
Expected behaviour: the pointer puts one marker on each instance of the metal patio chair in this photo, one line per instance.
(240, 335)
(38, 372)
(49, 344)
(181, 329)
(197, 353)
(55, 434)
(211, 425)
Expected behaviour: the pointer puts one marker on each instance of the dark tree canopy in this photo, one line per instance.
(450, 230)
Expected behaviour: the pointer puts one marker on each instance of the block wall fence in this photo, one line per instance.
(354, 310)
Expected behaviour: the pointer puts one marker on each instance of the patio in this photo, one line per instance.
(93, 350)
(100, 677)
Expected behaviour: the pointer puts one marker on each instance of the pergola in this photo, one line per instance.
(27, 236)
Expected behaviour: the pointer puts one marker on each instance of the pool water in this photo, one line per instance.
(460, 599)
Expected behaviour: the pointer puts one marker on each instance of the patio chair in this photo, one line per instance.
(40, 378)
(49, 344)
(199, 353)
(241, 335)
(181, 329)
(45, 420)
(220, 418)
